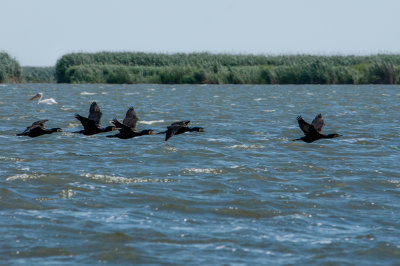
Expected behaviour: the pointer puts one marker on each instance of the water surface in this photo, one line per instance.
(242, 192)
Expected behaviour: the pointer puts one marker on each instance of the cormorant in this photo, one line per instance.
(127, 129)
(313, 132)
(180, 127)
(91, 125)
(38, 129)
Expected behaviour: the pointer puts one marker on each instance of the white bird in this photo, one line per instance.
(49, 101)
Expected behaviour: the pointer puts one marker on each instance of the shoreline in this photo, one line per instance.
(207, 68)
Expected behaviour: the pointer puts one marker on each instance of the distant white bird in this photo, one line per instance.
(49, 101)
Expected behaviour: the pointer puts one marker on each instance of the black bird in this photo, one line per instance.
(313, 132)
(91, 125)
(180, 127)
(127, 129)
(37, 129)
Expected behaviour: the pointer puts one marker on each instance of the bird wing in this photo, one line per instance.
(36, 126)
(182, 123)
(49, 101)
(318, 123)
(36, 130)
(39, 122)
(124, 131)
(130, 119)
(119, 125)
(171, 130)
(87, 123)
(95, 113)
(306, 127)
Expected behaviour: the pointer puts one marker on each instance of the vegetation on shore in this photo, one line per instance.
(206, 68)
(10, 70)
(38, 74)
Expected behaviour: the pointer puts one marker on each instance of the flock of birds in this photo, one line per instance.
(127, 129)
(91, 124)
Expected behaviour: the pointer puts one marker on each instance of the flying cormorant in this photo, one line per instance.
(313, 132)
(37, 129)
(91, 125)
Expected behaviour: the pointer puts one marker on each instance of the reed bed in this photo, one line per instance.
(38, 74)
(206, 68)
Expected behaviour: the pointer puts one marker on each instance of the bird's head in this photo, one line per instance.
(198, 129)
(38, 95)
(148, 132)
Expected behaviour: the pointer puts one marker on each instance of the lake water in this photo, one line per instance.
(242, 192)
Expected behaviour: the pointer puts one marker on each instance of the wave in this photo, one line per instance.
(124, 180)
(24, 177)
(3, 158)
(202, 171)
(151, 122)
(246, 147)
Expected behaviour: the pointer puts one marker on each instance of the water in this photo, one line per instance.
(240, 193)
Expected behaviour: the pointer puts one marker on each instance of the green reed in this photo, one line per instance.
(38, 74)
(206, 68)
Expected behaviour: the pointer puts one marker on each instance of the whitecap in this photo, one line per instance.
(88, 93)
(151, 122)
(124, 180)
(244, 146)
(67, 193)
(3, 158)
(220, 139)
(24, 177)
(268, 111)
(202, 171)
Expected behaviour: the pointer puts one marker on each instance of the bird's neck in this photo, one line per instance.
(52, 130)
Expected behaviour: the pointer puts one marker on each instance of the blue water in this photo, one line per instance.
(242, 192)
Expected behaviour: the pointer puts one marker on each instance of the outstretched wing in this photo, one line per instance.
(117, 124)
(87, 123)
(130, 119)
(318, 123)
(35, 128)
(40, 122)
(95, 113)
(123, 129)
(305, 127)
(182, 123)
(35, 125)
(171, 130)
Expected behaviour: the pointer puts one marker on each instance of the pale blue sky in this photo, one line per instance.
(38, 32)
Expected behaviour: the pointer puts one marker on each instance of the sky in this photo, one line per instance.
(39, 32)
